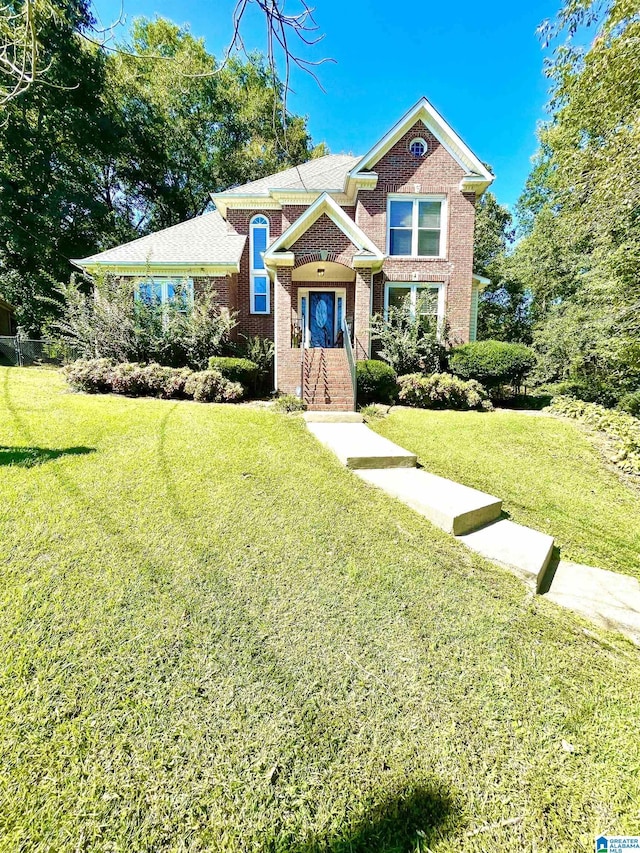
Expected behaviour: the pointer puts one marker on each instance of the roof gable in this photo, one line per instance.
(367, 253)
(477, 176)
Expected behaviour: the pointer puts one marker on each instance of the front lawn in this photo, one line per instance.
(548, 473)
(214, 638)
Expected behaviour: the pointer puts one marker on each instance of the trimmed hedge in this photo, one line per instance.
(102, 376)
(376, 382)
(442, 391)
(210, 386)
(493, 363)
(623, 429)
(240, 370)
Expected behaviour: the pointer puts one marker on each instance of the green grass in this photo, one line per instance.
(214, 638)
(548, 473)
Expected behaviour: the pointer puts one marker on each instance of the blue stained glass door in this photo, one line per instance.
(322, 318)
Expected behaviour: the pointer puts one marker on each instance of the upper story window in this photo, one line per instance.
(418, 147)
(163, 291)
(416, 226)
(259, 280)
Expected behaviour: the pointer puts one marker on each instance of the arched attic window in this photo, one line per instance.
(259, 280)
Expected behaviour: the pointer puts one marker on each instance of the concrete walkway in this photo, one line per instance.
(607, 598)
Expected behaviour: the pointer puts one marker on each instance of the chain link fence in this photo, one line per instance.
(18, 351)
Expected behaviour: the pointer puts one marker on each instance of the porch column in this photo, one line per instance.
(362, 314)
(287, 363)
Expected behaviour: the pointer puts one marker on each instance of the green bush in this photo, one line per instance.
(150, 380)
(493, 363)
(237, 370)
(210, 386)
(261, 351)
(442, 391)
(289, 403)
(590, 390)
(631, 403)
(376, 382)
(621, 428)
(93, 376)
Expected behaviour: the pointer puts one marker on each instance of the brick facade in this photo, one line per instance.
(398, 172)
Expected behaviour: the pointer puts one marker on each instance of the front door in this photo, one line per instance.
(322, 312)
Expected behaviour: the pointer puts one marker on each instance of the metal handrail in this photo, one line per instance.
(346, 336)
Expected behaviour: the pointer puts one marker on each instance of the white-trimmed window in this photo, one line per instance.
(425, 299)
(259, 280)
(416, 226)
(163, 291)
(418, 147)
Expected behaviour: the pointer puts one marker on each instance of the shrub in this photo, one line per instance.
(109, 322)
(210, 386)
(631, 403)
(408, 342)
(621, 428)
(150, 380)
(591, 390)
(260, 351)
(376, 382)
(442, 391)
(289, 403)
(90, 375)
(236, 370)
(493, 363)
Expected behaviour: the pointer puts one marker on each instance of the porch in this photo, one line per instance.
(322, 313)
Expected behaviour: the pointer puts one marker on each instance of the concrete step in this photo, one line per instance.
(356, 446)
(521, 548)
(451, 506)
(332, 417)
(609, 599)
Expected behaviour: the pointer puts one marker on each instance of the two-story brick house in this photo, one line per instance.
(308, 255)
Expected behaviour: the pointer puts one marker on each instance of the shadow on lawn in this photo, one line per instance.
(405, 823)
(27, 457)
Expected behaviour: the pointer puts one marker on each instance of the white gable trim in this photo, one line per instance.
(426, 113)
(368, 252)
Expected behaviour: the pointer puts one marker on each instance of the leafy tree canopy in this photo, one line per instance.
(115, 145)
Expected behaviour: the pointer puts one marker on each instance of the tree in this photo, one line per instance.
(580, 255)
(113, 147)
(187, 131)
(503, 310)
(50, 140)
(24, 32)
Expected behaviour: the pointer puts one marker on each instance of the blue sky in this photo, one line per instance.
(479, 64)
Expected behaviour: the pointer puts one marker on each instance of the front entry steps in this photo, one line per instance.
(455, 508)
(326, 380)
(333, 417)
(470, 515)
(607, 598)
(356, 446)
(515, 546)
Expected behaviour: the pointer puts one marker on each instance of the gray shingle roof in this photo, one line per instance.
(204, 239)
(324, 173)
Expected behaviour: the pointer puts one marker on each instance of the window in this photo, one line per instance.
(418, 147)
(259, 281)
(425, 300)
(416, 226)
(162, 291)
